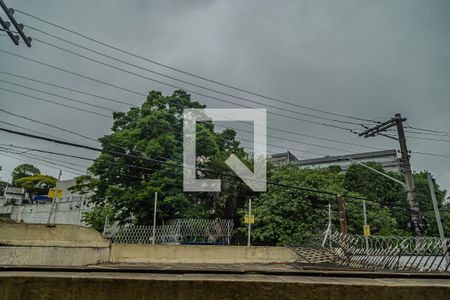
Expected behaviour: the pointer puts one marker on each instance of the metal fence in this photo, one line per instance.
(388, 252)
(176, 231)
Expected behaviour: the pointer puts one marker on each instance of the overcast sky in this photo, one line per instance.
(369, 59)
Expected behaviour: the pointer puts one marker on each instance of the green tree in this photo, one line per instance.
(98, 216)
(426, 204)
(23, 170)
(392, 196)
(37, 184)
(285, 215)
(155, 130)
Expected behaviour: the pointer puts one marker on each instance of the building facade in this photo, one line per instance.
(67, 210)
(387, 158)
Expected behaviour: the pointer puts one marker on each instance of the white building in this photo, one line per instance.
(67, 210)
(387, 158)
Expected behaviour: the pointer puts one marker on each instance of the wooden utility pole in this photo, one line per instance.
(342, 215)
(414, 212)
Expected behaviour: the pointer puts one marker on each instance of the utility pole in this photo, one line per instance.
(5, 25)
(342, 215)
(54, 198)
(438, 217)
(414, 212)
(19, 27)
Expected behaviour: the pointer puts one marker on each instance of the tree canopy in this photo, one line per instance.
(289, 215)
(143, 155)
(23, 170)
(155, 130)
(37, 184)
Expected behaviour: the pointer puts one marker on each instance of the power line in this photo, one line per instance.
(191, 74)
(204, 95)
(135, 92)
(56, 95)
(164, 75)
(50, 166)
(431, 154)
(428, 139)
(274, 129)
(25, 128)
(86, 48)
(429, 130)
(76, 108)
(159, 162)
(47, 124)
(427, 133)
(68, 88)
(56, 103)
(72, 73)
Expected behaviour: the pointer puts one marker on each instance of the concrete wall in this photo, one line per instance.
(85, 286)
(63, 212)
(58, 235)
(139, 253)
(59, 245)
(52, 256)
(72, 245)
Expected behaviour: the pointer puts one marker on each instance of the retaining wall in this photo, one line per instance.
(59, 245)
(73, 245)
(140, 253)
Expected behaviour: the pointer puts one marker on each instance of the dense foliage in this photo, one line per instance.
(155, 130)
(37, 184)
(23, 170)
(123, 185)
(287, 215)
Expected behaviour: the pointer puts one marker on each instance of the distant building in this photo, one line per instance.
(387, 158)
(284, 158)
(14, 195)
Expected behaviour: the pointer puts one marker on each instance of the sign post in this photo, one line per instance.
(366, 227)
(249, 220)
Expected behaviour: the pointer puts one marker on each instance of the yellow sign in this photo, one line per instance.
(249, 219)
(366, 230)
(51, 193)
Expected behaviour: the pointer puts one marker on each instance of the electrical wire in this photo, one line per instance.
(69, 89)
(159, 162)
(55, 102)
(57, 95)
(191, 74)
(274, 129)
(177, 87)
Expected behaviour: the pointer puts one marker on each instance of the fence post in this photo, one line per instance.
(154, 218)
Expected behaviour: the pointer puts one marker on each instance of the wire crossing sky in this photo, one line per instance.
(352, 62)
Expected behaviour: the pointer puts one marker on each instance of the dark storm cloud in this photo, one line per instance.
(363, 58)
